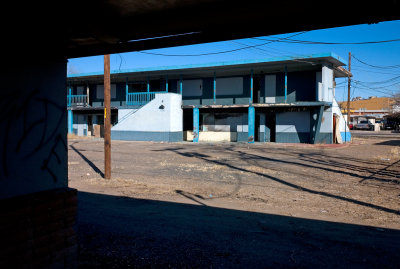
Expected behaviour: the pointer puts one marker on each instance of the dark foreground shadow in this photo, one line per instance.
(389, 143)
(120, 232)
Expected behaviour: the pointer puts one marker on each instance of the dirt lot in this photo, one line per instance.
(238, 205)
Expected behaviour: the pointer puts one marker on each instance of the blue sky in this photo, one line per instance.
(368, 81)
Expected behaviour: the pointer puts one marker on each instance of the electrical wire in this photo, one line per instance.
(377, 66)
(297, 41)
(219, 52)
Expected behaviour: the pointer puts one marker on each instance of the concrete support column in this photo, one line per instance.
(285, 84)
(251, 124)
(196, 124)
(33, 135)
(70, 121)
(251, 88)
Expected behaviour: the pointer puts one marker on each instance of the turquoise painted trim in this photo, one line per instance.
(70, 121)
(286, 137)
(215, 88)
(180, 84)
(251, 124)
(324, 138)
(69, 96)
(196, 124)
(76, 99)
(217, 64)
(285, 84)
(126, 90)
(140, 98)
(346, 136)
(251, 87)
(147, 136)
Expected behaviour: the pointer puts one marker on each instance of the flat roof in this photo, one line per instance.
(262, 65)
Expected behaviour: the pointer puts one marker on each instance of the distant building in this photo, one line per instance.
(377, 107)
(286, 99)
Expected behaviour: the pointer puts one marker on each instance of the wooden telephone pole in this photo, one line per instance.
(107, 118)
(348, 91)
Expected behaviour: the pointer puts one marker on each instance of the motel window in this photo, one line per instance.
(192, 87)
(100, 91)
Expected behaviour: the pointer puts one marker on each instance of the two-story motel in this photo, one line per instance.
(286, 99)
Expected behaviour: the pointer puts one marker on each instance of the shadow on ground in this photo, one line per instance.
(116, 232)
(389, 143)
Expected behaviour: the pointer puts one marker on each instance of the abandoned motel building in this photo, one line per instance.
(285, 99)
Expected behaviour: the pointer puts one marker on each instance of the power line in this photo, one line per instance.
(377, 66)
(295, 60)
(297, 41)
(373, 71)
(219, 52)
(383, 81)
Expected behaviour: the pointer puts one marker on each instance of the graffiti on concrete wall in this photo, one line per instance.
(31, 133)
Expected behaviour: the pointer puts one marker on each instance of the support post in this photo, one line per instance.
(126, 91)
(251, 87)
(181, 85)
(166, 83)
(148, 85)
(196, 124)
(107, 118)
(250, 124)
(348, 91)
(87, 93)
(285, 84)
(215, 88)
(69, 95)
(70, 121)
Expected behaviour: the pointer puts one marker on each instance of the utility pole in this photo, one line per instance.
(107, 118)
(348, 91)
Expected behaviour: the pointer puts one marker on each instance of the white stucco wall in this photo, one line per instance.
(343, 127)
(150, 118)
(325, 84)
(293, 122)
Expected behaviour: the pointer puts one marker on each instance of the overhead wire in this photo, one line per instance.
(219, 52)
(377, 66)
(297, 41)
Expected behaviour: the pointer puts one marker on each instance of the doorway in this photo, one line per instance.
(257, 128)
(270, 130)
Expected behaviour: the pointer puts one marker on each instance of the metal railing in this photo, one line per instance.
(77, 100)
(140, 98)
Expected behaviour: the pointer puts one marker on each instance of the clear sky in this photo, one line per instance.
(379, 75)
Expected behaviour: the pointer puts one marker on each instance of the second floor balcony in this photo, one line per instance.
(78, 100)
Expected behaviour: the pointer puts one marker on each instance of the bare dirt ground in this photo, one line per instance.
(185, 205)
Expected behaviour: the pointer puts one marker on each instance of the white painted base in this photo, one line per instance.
(212, 136)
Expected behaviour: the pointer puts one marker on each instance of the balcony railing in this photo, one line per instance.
(77, 100)
(140, 98)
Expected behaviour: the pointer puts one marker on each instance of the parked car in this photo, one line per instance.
(363, 125)
(387, 125)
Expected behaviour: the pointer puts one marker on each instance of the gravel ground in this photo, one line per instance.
(185, 205)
